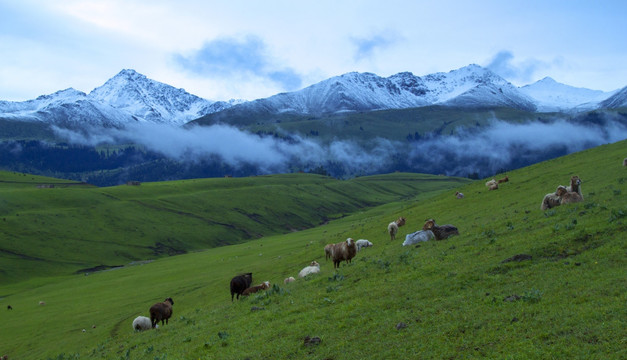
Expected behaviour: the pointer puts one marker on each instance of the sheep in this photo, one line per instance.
(440, 232)
(393, 227)
(288, 280)
(240, 283)
(418, 236)
(42, 303)
(9, 307)
(328, 251)
(459, 195)
(253, 289)
(161, 312)
(625, 162)
(575, 185)
(345, 250)
(313, 268)
(567, 197)
(505, 179)
(492, 185)
(142, 323)
(362, 243)
(551, 200)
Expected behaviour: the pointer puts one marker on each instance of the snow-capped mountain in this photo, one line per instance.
(550, 95)
(149, 100)
(470, 86)
(128, 97)
(618, 99)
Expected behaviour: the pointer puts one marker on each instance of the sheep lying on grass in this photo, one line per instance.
(142, 323)
(240, 283)
(418, 236)
(289, 280)
(345, 250)
(575, 186)
(551, 200)
(161, 312)
(362, 243)
(492, 185)
(313, 268)
(440, 232)
(567, 197)
(505, 179)
(253, 289)
(459, 195)
(393, 227)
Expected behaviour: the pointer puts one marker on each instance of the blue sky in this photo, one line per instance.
(250, 49)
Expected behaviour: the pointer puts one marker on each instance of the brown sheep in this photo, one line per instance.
(575, 185)
(505, 179)
(440, 232)
(328, 251)
(345, 250)
(393, 227)
(161, 312)
(567, 197)
(551, 200)
(253, 289)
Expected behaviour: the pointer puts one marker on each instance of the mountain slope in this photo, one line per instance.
(619, 99)
(471, 86)
(553, 96)
(468, 296)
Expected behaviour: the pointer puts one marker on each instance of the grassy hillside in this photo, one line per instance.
(394, 124)
(73, 227)
(449, 299)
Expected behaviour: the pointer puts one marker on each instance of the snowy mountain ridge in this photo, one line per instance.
(130, 97)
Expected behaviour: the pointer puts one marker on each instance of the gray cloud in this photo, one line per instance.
(228, 57)
(365, 47)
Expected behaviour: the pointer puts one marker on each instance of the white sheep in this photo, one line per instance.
(418, 236)
(551, 200)
(289, 280)
(313, 268)
(362, 243)
(393, 227)
(142, 323)
(492, 184)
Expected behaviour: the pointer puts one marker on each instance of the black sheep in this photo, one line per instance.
(240, 283)
(161, 312)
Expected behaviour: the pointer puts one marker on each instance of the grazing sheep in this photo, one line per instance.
(142, 323)
(240, 283)
(288, 280)
(328, 251)
(9, 307)
(567, 197)
(418, 236)
(313, 268)
(505, 179)
(492, 185)
(575, 185)
(253, 289)
(42, 303)
(459, 195)
(362, 243)
(393, 227)
(346, 251)
(161, 312)
(551, 200)
(440, 232)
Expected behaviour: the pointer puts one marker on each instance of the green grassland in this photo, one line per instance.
(456, 299)
(74, 227)
(394, 124)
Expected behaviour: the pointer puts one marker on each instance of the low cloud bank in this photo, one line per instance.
(479, 151)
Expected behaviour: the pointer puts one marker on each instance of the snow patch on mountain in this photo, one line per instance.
(618, 99)
(553, 96)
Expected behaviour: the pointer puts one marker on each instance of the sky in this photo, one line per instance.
(250, 49)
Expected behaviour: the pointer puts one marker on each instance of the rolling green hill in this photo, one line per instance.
(57, 227)
(451, 299)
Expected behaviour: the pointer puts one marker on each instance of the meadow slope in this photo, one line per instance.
(57, 227)
(451, 299)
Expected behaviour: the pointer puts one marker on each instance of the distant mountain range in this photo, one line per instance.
(130, 97)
